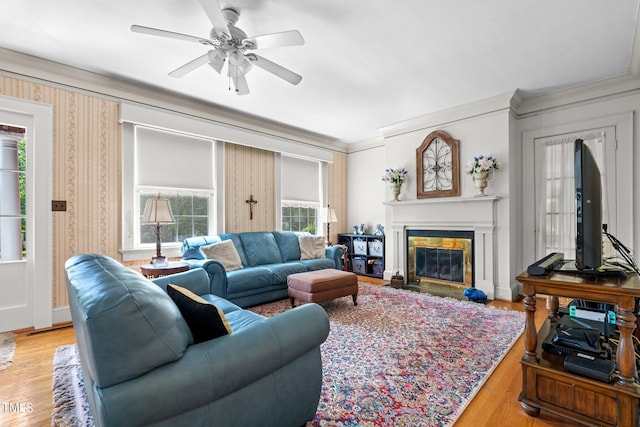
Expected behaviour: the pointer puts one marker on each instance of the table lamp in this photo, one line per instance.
(157, 211)
(330, 215)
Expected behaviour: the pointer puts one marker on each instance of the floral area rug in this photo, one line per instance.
(401, 358)
(7, 349)
(398, 358)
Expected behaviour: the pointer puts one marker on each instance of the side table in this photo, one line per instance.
(152, 271)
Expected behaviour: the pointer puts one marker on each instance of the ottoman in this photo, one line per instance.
(322, 285)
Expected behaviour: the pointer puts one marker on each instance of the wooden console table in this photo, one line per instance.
(545, 383)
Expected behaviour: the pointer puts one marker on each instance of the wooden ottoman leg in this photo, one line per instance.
(293, 300)
(355, 299)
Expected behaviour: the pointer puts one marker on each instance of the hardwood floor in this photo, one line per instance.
(28, 382)
(25, 387)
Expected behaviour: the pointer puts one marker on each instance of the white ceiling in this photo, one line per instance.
(366, 64)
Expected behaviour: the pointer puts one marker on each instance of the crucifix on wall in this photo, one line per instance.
(251, 202)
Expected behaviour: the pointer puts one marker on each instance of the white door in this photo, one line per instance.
(25, 214)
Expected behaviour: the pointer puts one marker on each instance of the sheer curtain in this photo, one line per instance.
(555, 191)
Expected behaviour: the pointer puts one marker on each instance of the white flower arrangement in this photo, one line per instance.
(482, 164)
(395, 176)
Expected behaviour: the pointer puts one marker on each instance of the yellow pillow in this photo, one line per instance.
(205, 320)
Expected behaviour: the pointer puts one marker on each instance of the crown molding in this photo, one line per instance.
(460, 112)
(616, 86)
(367, 144)
(41, 71)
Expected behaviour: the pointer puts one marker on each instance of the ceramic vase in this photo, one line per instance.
(395, 190)
(480, 180)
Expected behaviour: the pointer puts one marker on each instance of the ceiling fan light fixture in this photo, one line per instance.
(240, 62)
(216, 58)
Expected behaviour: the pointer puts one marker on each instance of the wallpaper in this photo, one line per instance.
(249, 172)
(87, 174)
(337, 194)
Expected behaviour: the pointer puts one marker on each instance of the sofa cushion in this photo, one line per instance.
(288, 244)
(260, 248)
(225, 305)
(318, 264)
(205, 320)
(248, 279)
(129, 325)
(225, 252)
(191, 246)
(311, 247)
(283, 270)
(235, 238)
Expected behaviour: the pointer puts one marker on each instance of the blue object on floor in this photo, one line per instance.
(475, 295)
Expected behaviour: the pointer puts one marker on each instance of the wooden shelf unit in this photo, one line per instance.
(545, 383)
(365, 262)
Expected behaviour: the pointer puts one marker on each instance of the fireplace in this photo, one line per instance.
(477, 215)
(440, 256)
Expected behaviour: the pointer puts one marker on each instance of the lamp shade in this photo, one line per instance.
(328, 215)
(331, 215)
(157, 211)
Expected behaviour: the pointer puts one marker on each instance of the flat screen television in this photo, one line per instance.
(588, 189)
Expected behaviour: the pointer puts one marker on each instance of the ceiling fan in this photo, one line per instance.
(230, 44)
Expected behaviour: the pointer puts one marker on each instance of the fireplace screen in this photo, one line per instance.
(440, 256)
(443, 264)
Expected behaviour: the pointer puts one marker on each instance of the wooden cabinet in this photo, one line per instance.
(364, 254)
(545, 383)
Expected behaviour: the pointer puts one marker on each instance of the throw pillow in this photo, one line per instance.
(225, 252)
(205, 320)
(311, 247)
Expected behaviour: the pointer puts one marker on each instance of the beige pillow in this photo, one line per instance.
(225, 252)
(311, 247)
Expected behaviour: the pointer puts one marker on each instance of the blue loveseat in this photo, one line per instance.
(268, 258)
(141, 366)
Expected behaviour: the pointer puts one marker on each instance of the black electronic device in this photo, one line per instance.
(578, 336)
(602, 271)
(590, 366)
(544, 266)
(588, 192)
(582, 339)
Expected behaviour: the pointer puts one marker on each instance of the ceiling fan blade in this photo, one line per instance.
(190, 66)
(239, 79)
(214, 13)
(275, 69)
(168, 34)
(266, 41)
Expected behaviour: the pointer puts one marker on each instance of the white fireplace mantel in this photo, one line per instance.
(477, 214)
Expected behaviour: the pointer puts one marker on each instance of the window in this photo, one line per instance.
(180, 168)
(301, 191)
(13, 219)
(299, 218)
(191, 213)
(556, 190)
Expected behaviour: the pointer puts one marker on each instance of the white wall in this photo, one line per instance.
(495, 127)
(365, 189)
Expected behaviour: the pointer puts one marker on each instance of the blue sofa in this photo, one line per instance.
(268, 258)
(141, 367)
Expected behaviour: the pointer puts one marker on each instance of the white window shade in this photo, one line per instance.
(169, 159)
(300, 179)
